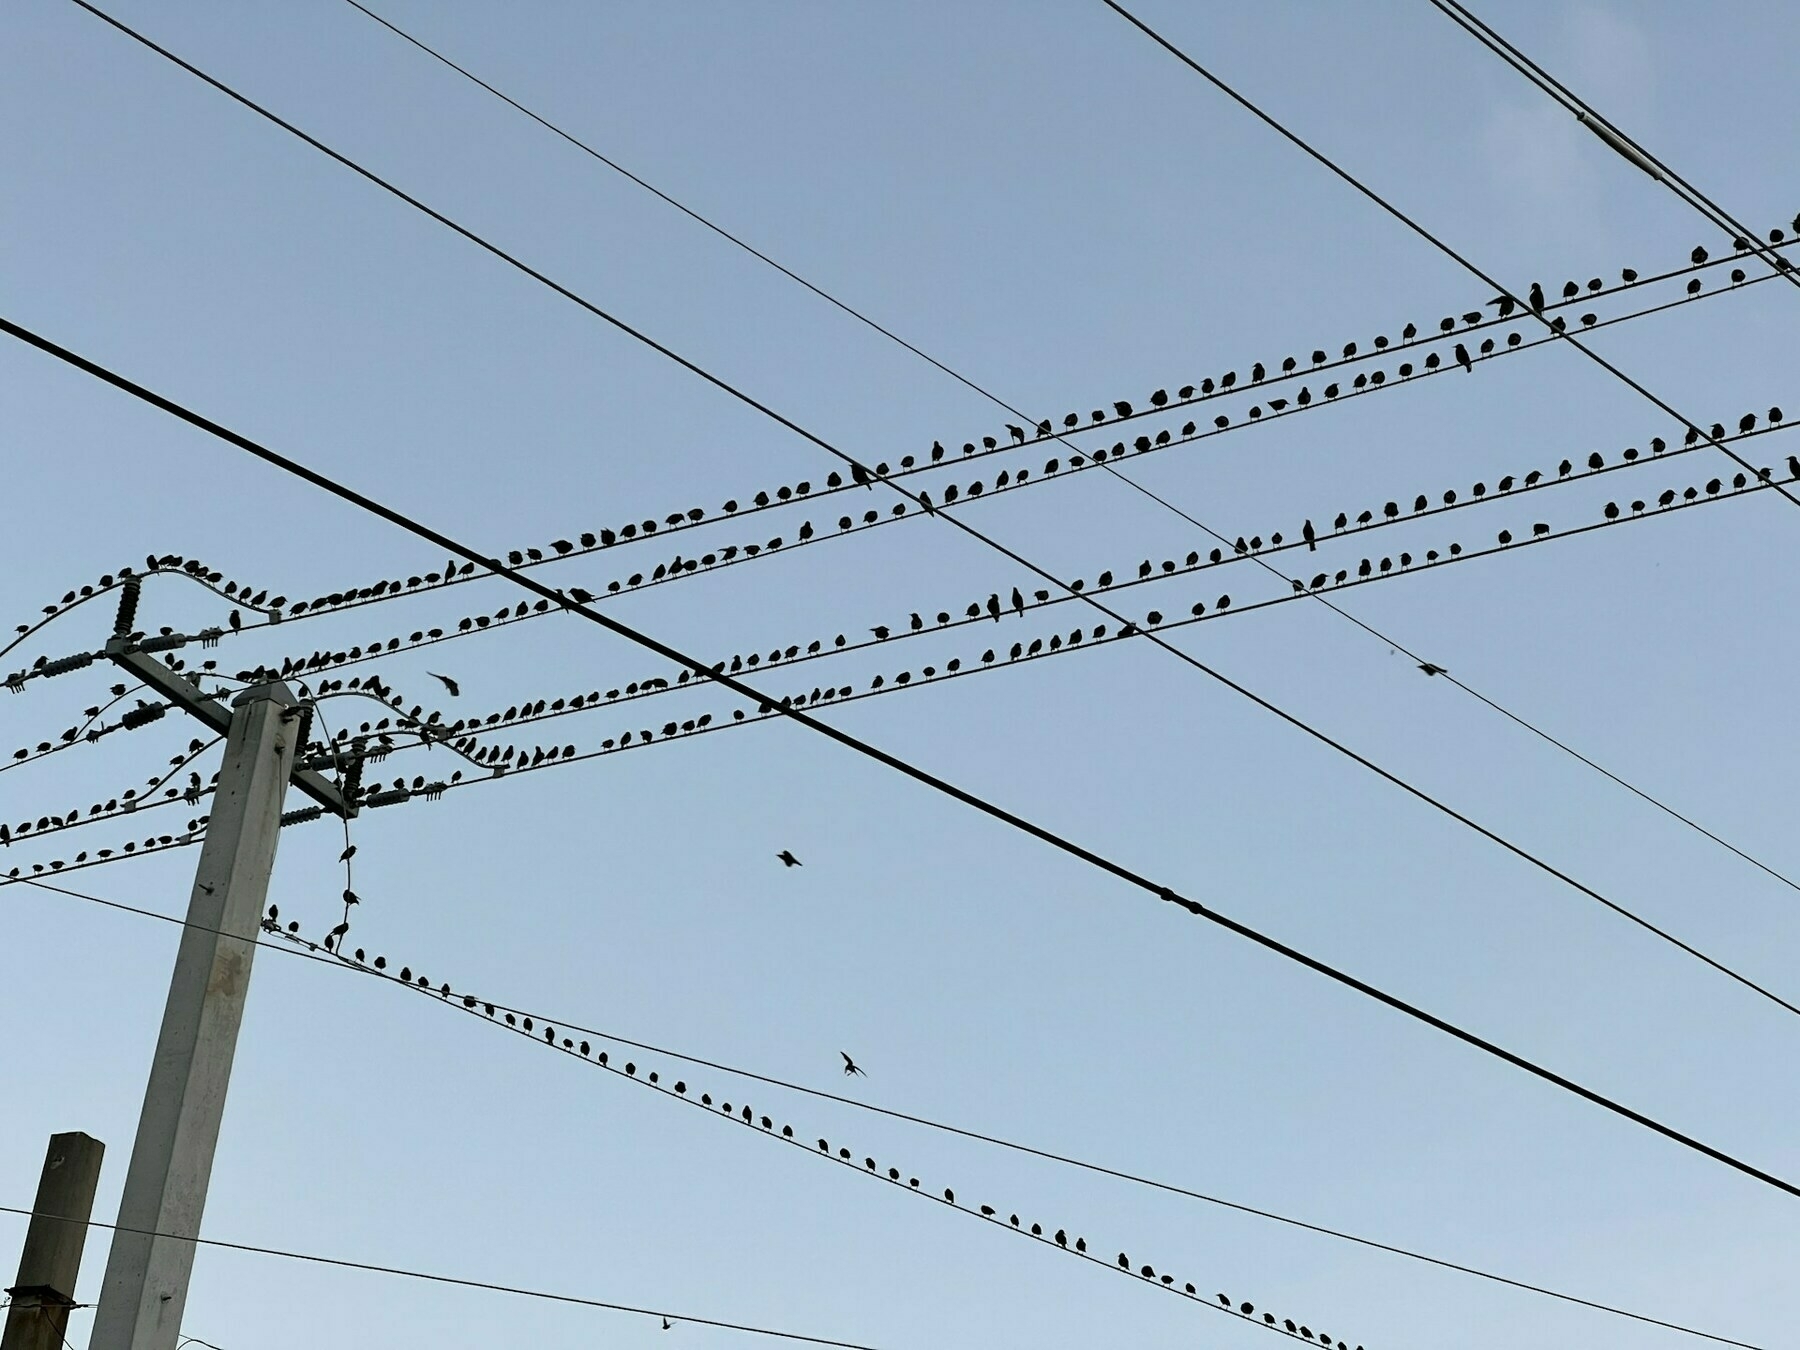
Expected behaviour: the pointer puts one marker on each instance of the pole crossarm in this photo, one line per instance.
(182, 692)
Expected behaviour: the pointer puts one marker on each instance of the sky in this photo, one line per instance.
(1044, 201)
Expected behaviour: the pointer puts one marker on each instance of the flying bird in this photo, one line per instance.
(788, 859)
(851, 1067)
(448, 683)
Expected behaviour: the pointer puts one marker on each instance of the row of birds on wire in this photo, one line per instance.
(431, 729)
(1391, 512)
(678, 567)
(496, 759)
(547, 1034)
(277, 607)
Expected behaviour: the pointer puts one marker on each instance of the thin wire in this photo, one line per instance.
(1448, 6)
(1410, 223)
(342, 1264)
(726, 387)
(292, 945)
(1589, 116)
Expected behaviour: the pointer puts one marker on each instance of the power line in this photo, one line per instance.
(940, 785)
(726, 387)
(592, 543)
(341, 1263)
(1624, 146)
(1406, 220)
(293, 945)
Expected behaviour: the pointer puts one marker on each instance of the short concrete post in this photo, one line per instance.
(38, 1318)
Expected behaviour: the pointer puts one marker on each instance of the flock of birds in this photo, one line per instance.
(461, 735)
(375, 739)
(537, 1031)
(277, 606)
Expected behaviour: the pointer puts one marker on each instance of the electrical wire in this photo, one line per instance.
(387, 591)
(291, 944)
(726, 387)
(1609, 134)
(1063, 844)
(340, 1263)
(1411, 224)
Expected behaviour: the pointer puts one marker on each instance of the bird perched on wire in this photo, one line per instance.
(448, 683)
(1431, 669)
(851, 1067)
(788, 859)
(1463, 360)
(1018, 601)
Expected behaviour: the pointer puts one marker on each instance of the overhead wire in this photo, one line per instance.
(1435, 241)
(920, 775)
(734, 392)
(492, 1287)
(387, 591)
(291, 943)
(1609, 134)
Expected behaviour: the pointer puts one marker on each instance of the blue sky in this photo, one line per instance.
(1041, 199)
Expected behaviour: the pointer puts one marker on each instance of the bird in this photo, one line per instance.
(1018, 601)
(448, 683)
(1537, 298)
(788, 859)
(993, 606)
(1306, 532)
(880, 631)
(1462, 358)
(1017, 433)
(1431, 669)
(851, 1067)
(667, 1324)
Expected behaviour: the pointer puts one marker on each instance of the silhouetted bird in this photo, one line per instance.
(993, 607)
(851, 1067)
(788, 859)
(1698, 256)
(1306, 533)
(1018, 601)
(1431, 669)
(1017, 433)
(448, 683)
(881, 632)
(1462, 358)
(1537, 298)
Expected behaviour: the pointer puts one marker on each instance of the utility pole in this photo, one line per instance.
(38, 1318)
(152, 1256)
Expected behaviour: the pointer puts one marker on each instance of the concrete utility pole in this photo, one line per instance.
(146, 1285)
(39, 1316)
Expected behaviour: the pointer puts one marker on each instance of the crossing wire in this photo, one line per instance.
(726, 387)
(1044, 835)
(1415, 227)
(1628, 149)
